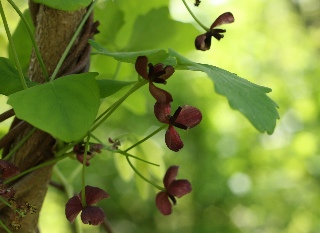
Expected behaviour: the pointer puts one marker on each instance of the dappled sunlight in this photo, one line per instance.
(242, 180)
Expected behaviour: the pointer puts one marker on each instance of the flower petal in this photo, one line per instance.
(159, 94)
(217, 33)
(163, 203)
(162, 112)
(189, 116)
(167, 72)
(173, 139)
(80, 158)
(170, 175)
(92, 215)
(179, 188)
(203, 42)
(94, 195)
(95, 148)
(224, 18)
(8, 169)
(73, 208)
(141, 66)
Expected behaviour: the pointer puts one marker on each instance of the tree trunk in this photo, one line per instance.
(54, 30)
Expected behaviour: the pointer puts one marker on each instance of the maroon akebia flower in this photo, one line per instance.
(115, 143)
(203, 42)
(79, 150)
(7, 170)
(173, 188)
(156, 74)
(92, 215)
(197, 3)
(185, 117)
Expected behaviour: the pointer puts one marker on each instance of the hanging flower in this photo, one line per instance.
(92, 215)
(203, 42)
(79, 150)
(173, 188)
(156, 74)
(185, 117)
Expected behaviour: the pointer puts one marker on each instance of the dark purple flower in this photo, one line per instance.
(92, 215)
(7, 170)
(79, 150)
(185, 117)
(174, 188)
(155, 74)
(115, 143)
(203, 42)
(197, 3)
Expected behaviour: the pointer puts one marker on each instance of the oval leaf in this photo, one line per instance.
(65, 108)
(249, 98)
(9, 78)
(109, 87)
(154, 56)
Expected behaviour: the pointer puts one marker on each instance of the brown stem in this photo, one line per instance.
(54, 30)
(6, 115)
(14, 132)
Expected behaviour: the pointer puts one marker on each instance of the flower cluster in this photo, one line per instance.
(203, 42)
(173, 188)
(92, 215)
(185, 117)
(8, 170)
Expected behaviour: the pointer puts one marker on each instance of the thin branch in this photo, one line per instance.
(6, 115)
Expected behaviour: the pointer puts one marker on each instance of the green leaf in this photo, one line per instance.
(22, 42)
(9, 78)
(109, 87)
(249, 98)
(154, 56)
(113, 21)
(65, 5)
(66, 107)
(157, 29)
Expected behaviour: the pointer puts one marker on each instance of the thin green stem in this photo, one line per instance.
(109, 111)
(13, 49)
(194, 17)
(135, 157)
(142, 177)
(35, 46)
(69, 192)
(9, 205)
(122, 152)
(59, 156)
(20, 143)
(84, 165)
(105, 112)
(74, 37)
(146, 138)
(4, 227)
(117, 70)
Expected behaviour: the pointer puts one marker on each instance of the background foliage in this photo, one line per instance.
(243, 181)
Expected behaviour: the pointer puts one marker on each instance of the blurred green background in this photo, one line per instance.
(243, 181)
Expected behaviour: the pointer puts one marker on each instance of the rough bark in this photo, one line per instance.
(54, 30)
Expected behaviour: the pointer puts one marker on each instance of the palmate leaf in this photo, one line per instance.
(65, 5)
(249, 98)
(66, 107)
(22, 42)
(154, 56)
(109, 87)
(9, 78)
